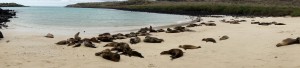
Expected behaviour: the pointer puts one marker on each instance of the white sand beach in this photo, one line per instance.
(249, 46)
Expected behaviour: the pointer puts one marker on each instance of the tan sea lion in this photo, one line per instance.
(209, 40)
(149, 39)
(175, 53)
(189, 47)
(288, 41)
(49, 35)
(107, 54)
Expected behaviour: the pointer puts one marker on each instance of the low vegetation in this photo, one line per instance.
(11, 5)
(236, 8)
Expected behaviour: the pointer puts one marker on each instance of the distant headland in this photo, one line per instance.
(11, 5)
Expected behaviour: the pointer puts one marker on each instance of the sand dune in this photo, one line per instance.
(249, 46)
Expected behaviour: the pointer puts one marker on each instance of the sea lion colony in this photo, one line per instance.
(122, 48)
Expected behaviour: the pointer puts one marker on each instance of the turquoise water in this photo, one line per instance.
(68, 18)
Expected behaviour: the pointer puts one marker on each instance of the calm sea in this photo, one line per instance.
(76, 19)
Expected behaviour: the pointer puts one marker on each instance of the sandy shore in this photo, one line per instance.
(249, 46)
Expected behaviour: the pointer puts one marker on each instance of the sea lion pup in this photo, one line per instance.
(95, 40)
(122, 47)
(175, 53)
(105, 37)
(288, 41)
(135, 40)
(161, 30)
(255, 22)
(112, 44)
(209, 40)
(210, 24)
(107, 54)
(189, 47)
(1, 35)
(88, 43)
(225, 37)
(63, 42)
(172, 31)
(149, 39)
(49, 35)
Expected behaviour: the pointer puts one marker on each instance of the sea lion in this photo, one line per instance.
(192, 25)
(279, 24)
(76, 36)
(1, 35)
(134, 53)
(264, 23)
(211, 24)
(225, 37)
(144, 34)
(149, 39)
(209, 40)
(255, 22)
(172, 31)
(63, 42)
(107, 54)
(106, 37)
(71, 41)
(49, 35)
(95, 40)
(175, 53)
(122, 47)
(77, 44)
(179, 28)
(135, 40)
(189, 47)
(161, 30)
(88, 43)
(288, 41)
(152, 30)
(112, 44)
(211, 21)
(131, 34)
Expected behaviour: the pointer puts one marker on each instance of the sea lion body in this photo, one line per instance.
(95, 40)
(149, 39)
(135, 40)
(112, 44)
(224, 37)
(122, 47)
(49, 35)
(175, 53)
(134, 53)
(209, 40)
(172, 31)
(288, 41)
(63, 42)
(106, 37)
(107, 54)
(89, 44)
(189, 47)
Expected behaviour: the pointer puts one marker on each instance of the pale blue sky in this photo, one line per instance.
(50, 2)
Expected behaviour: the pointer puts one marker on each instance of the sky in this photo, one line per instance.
(50, 2)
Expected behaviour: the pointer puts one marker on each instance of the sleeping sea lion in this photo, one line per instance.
(224, 37)
(175, 53)
(135, 40)
(209, 40)
(189, 47)
(107, 54)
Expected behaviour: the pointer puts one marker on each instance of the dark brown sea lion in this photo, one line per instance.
(189, 47)
(88, 43)
(209, 40)
(134, 53)
(78, 44)
(131, 34)
(63, 42)
(95, 40)
(49, 35)
(211, 24)
(76, 36)
(152, 30)
(1, 35)
(112, 44)
(135, 40)
(106, 37)
(288, 41)
(192, 25)
(264, 23)
(175, 53)
(225, 37)
(211, 21)
(280, 24)
(172, 31)
(144, 34)
(149, 39)
(122, 47)
(161, 30)
(255, 22)
(107, 54)
(179, 28)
